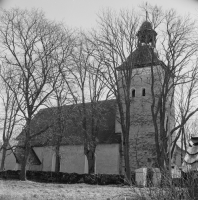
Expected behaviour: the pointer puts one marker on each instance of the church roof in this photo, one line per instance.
(143, 56)
(47, 120)
(146, 26)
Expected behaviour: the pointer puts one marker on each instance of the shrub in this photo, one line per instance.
(171, 189)
(69, 178)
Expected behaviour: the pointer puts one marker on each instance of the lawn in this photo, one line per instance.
(22, 190)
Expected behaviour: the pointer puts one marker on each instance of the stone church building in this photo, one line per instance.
(109, 154)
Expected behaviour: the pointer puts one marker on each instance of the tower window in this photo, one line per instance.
(143, 92)
(133, 92)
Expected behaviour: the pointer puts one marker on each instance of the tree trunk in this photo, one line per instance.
(91, 161)
(57, 164)
(4, 150)
(26, 153)
(23, 171)
(24, 162)
(127, 163)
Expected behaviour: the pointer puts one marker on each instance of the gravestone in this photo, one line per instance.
(147, 176)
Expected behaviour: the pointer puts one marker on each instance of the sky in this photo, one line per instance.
(83, 13)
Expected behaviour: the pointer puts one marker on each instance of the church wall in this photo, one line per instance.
(142, 147)
(45, 155)
(10, 160)
(141, 130)
(73, 159)
(107, 159)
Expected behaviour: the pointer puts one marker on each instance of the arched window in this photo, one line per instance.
(143, 92)
(133, 92)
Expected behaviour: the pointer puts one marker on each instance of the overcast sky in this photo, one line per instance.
(83, 13)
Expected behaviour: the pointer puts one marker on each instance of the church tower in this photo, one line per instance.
(142, 151)
(142, 134)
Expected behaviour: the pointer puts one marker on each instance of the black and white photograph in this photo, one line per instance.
(98, 100)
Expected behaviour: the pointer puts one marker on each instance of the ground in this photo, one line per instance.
(29, 190)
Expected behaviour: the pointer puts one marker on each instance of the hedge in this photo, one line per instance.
(69, 178)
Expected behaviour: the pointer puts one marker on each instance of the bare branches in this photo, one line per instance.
(172, 102)
(30, 44)
(11, 118)
(34, 50)
(114, 43)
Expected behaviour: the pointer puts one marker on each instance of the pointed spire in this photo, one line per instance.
(146, 12)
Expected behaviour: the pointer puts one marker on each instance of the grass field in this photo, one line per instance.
(22, 190)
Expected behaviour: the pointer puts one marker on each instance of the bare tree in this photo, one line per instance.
(61, 98)
(171, 107)
(115, 41)
(87, 89)
(29, 43)
(97, 91)
(9, 120)
(61, 94)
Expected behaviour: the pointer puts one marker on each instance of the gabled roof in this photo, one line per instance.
(71, 124)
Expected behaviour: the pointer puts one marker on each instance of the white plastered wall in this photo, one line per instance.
(107, 159)
(10, 160)
(73, 159)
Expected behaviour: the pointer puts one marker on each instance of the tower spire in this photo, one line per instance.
(146, 12)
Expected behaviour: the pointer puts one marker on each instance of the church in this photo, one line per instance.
(109, 149)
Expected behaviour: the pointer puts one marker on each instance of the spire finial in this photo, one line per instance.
(146, 12)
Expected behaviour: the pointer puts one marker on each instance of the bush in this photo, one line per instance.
(9, 174)
(107, 179)
(92, 179)
(68, 178)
